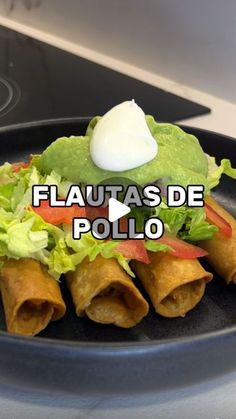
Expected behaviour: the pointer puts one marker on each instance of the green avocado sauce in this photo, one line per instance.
(180, 158)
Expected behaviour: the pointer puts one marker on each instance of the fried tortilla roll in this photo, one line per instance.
(222, 249)
(105, 293)
(31, 297)
(174, 285)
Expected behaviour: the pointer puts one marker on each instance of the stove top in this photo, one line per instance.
(9, 95)
(38, 81)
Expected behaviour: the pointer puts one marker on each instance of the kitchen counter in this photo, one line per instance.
(208, 400)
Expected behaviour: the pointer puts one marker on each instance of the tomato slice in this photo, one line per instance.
(133, 249)
(65, 215)
(16, 167)
(59, 215)
(182, 249)
(214, 218)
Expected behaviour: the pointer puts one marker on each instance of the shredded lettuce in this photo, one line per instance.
(52, 179)
(23, 242)
(60, 259)
(196, 227)
(154, 246)
(22, 193)
(90, 247)
(6, 191)
(17, 237)
(6, 174)
(215, 172)
(16, 196)
(188, 223)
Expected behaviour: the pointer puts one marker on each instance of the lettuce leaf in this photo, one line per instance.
(196, 227)
(215, 172)
(189, 223)
(22, 194)
(23, 242)
(6, 191)
(60, 260)
(154, 246)
(28, 236)
(21, 191)
(6, 174)
(17, 238)
(90, 247)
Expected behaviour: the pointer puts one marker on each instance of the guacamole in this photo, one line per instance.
(180, 158)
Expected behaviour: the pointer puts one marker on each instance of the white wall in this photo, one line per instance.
(190, 41)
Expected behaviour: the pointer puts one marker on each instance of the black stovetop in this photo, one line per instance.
(38, 81)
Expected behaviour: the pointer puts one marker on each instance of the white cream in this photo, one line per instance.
(121, 140)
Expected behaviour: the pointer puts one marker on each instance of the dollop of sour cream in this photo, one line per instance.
(121, 139)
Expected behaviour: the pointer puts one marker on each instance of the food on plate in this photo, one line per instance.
(31, 297)
(103, 291)
(38, 251)
(71, 157)
(221, 247)
(174, 285)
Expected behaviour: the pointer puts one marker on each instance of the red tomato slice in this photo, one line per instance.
(133, 249)
(181, 249)
(59, 215)
(214, 218)
(65, 215)
(16, 167)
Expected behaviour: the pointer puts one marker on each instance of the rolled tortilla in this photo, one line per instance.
(174, 285)
(221, 249)
(105, 293)
(31, 297)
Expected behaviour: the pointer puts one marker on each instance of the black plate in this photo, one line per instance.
(78, 355)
